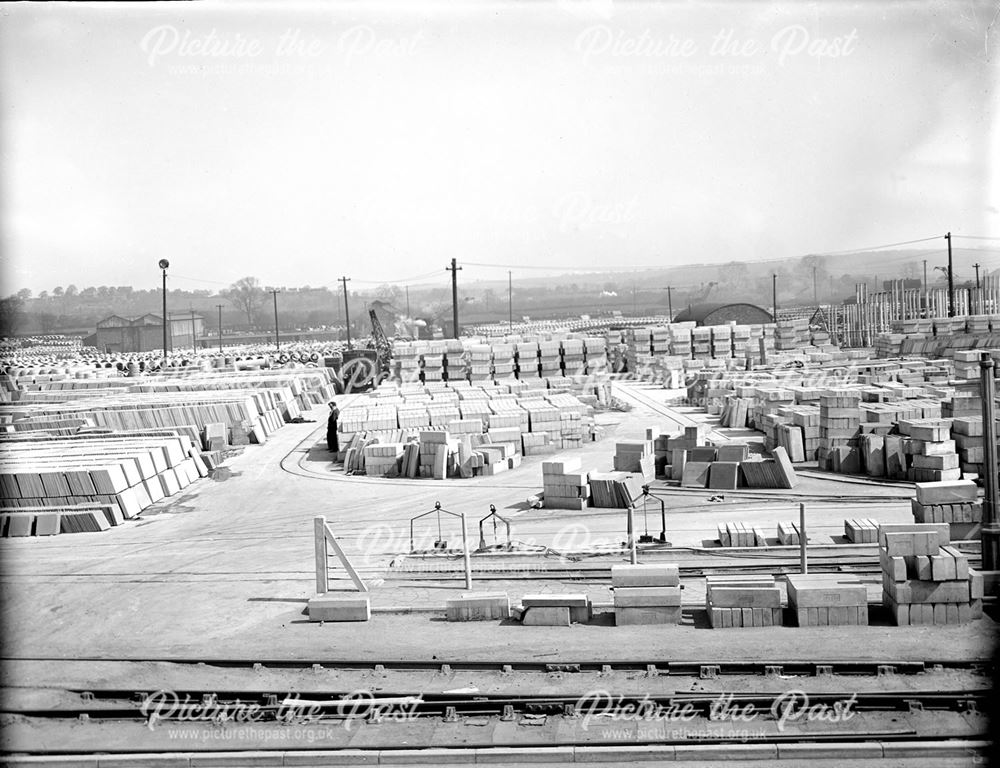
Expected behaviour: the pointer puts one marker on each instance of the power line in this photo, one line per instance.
(877, 247)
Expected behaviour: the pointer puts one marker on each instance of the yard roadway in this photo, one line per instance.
(224, 569)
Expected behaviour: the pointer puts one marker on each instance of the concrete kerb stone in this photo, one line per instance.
(626, 753)
(317, 758)
(726, 752)
(430, 756)
(518, 755)
(144, 760)
(55, 761)
(838, 751)
(937, 749)
(260, 758)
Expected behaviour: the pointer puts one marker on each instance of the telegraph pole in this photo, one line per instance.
(277, 341)
(220, 306)
(815, 293)
(670, 302)
(407, 301)
(774, 295)
(454, 268)
(990, 534)
(347, 311)
(163, 264)
(977, 275)
(194, 347)
(951, 280)
(510, 301)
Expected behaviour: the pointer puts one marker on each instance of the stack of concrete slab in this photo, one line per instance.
(636, 456)
(549, 358)
(924, 579)
(737, 534)
(646, 594)
(789, 534)
(955, 502)
(614, 490)
(596, 358)
(564, 484)
(555, 610)
(967, 432)
(480, 363)
(827, 599)
(742, 601)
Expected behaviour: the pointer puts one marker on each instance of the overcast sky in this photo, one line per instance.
(298, 143)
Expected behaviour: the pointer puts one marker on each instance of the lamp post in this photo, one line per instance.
(163, 266)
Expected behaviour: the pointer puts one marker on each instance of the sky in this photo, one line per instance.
(300, 142)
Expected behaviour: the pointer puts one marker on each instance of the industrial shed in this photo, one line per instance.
(719, 314)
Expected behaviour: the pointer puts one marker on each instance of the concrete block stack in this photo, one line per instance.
(737, 534)
(543, 417)
(646, 594)
(480, 363)
(789, 534)
(742, 601)
(792, 333)
(967, 363)
(827, 599)
(382, 459)
(924, 580)
(722, 341)
(436, 447)
(839, 423)
(701, 343)
(406, 359)
(863, 531)
(595, 355)
(636, 456)
(954, 502)
(681, 341)
(432, 366)
(550, 359)
(744, 347)
(503, 361)
(574, 357)
(526, 355)
(564, 484)
(967, 432)
(931, 451)
(659, 340)
(963, 403)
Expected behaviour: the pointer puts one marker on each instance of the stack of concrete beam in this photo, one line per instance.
(827, 599)
(382, 459)
(637, 348)
(744, 347)
(742, 601)
(681, 341)
(839, 423)
(435, 448)
(924, 580)
(967, 403)
(526, 355)
(659, 340)
(789, 534)
(931, 450)
(646, 594)
(701, 343)
(861, 531)
(954, 502)
(406, 358)
(564, 484)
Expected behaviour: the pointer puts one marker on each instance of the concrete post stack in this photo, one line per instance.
(659, 340)
(967, 431)
(527, 360)
(827, 599)
(646, 594)
(924, 580)
(744, 347)
(701, 343)
(432, 362)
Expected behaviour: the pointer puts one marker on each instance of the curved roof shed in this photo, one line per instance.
(720, 314)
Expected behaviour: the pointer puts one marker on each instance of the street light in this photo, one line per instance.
(163, 266)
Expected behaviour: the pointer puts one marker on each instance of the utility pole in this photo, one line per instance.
(925, 275)
(454, 268)
(194, 346)
(277, 341)
(670, 303)
(510, 301)
(977, 275)
(774, 294)
(951, 280)
(815, 293)
(347, 311)
(990, 534)
(163, 264)
(220, 306)
(407, 301)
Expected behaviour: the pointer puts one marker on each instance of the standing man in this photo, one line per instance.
(331, 429)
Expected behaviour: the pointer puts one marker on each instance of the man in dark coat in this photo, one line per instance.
(331, 429)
